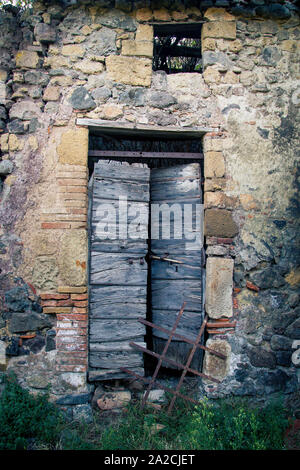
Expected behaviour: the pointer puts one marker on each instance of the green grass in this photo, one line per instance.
(29, 421)
(222, 426)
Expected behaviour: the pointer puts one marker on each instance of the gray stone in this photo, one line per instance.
(83, 413)
(81, 99)
(283, 358)
(79, 399)
(34, 125)
(16, 299)
(101, 94)
(212, 58)
(103, 42)
(273, 381)
(16, 127)
(159, 99)
(3, 113)
(6, 167)
(271, 55)
(156, 396)
(280, 343)
(293, 330)
(24, 110)
(133, 97)
(12, 348)
(35, 77)
(261, 358)
(28, 321)
(34, 345)
(50, 340)
(117, 19)
(293, 300)
(267, 278)
(44, 33)
(279, 12)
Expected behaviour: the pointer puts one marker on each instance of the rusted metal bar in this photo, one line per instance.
(163, 355)
(123, 154)
(183, 338)
(159, 385)
(174, 363)
(191, 355)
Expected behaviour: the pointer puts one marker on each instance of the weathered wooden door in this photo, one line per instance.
(176, 191)
(118, 270)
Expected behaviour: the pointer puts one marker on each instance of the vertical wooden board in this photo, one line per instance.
(171, 283)
(118, 269)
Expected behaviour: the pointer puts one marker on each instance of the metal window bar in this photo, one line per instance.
(162, 357)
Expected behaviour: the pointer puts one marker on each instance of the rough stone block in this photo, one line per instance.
(214, 165)
(208, 44)
(144, 14)
(219, 29)
(73, 147)
(89, 66)
(214, 184)
(72, 50)
(161, 15)
(44, 33)
(144, 33)
(219, 223)
(51, 93)
(112, 400)
(290, 45)
(218, 14)
(73, 257)
(219, 285)
(27, 59)
(211, 76)
(137, 48)
(219, 199)
(130, 71)
(14, 143)
(213, 365)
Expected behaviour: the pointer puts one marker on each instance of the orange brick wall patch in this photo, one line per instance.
(70, 305)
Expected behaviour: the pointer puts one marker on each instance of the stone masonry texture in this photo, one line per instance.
(67, 60)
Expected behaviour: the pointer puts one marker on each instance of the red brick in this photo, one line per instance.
(63, 332)
(71, 316)
(55, 225)
(57, 309)
(83, 303)
(79, 296)
(57, 303)
(79, 310)
(54, 296)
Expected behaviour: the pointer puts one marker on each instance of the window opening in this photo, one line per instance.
(177, 48)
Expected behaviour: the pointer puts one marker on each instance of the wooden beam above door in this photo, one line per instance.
(144, 155)
(101, 126)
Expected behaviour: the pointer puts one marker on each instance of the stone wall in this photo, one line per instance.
(63, 63)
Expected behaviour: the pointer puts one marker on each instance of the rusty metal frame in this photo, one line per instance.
(162, 358)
